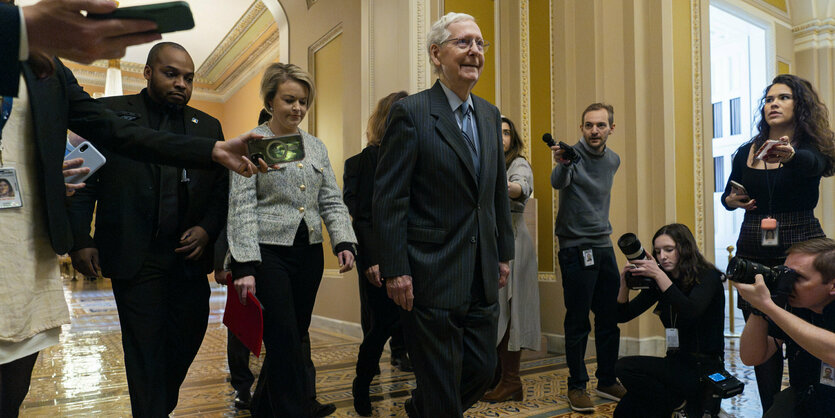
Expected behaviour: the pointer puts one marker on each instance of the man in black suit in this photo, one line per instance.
(155, 226)
(442, 210)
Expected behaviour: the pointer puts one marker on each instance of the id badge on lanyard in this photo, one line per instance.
(769, 232)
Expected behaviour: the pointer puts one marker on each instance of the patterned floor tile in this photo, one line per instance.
(85, 376)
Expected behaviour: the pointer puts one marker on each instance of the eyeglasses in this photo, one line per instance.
(465, 43)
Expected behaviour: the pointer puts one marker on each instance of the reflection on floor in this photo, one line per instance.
(84, 375)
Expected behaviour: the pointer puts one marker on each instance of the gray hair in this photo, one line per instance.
(439, 32)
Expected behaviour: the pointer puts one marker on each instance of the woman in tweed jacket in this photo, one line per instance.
(275, 238)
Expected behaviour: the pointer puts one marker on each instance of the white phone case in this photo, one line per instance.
(92, 159)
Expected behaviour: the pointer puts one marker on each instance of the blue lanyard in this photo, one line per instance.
(5, 112)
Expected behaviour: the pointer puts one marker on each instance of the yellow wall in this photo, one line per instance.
(482, 11)
(540, 78)
(240, 111)
(682, 64)
(328, 108)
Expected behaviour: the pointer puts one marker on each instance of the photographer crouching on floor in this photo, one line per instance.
(690, 303)
(806, 325)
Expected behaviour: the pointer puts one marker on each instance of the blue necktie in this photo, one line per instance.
(467, 130)
(467, 126)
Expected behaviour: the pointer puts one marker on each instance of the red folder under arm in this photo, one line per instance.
(246, 322)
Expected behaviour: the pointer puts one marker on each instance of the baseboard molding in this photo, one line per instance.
(629, 346)
(554, 343)
(351, 329)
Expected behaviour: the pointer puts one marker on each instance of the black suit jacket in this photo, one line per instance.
(58, 103)
(431, 213)
(358, 194)
(127, 192)
(9, 49)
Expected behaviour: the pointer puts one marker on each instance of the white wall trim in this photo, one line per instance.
(650, 346)
(351, 329)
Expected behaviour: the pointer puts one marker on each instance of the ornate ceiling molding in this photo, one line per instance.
(814, 34)
(235, 35)
(253, 41)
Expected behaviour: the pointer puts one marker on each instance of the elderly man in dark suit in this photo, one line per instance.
(155, 226)
(441, 207)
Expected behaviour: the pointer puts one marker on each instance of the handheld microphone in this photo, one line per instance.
(569, 154)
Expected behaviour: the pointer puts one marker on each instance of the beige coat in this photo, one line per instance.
(519, 300)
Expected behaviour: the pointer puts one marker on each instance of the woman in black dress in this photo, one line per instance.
(781, 188)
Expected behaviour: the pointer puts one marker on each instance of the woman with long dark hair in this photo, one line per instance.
(690, 304)
(380, 315)
(519, 299)
(780, 191)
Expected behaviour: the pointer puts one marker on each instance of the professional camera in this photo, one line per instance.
(570, 154)
(779, 279)
(633, 250)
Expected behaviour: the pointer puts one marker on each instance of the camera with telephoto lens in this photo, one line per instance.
(569, 154)
(779, 279)
(633, 250)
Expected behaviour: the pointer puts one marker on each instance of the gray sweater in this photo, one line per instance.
(585, 191)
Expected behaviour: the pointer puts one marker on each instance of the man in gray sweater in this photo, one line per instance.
(590, 276)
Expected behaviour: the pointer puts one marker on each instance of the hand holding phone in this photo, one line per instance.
(277, 150)
(93, 160)
(170, 17)
(738, 188)
(767, 146)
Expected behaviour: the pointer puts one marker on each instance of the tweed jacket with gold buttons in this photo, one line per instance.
(267, 208)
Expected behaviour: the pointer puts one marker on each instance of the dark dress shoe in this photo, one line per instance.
(362, 400)
(320, 410)
(243, 399)
(402, 363)
(411, 411)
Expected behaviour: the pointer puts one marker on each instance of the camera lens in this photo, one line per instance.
(631, 247)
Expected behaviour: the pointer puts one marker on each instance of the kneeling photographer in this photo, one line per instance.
(690, 303)
(806, 325)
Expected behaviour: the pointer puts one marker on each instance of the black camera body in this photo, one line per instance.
(779, 279)
(569, 153)
(633, 250)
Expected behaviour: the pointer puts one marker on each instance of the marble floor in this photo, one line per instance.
(84, 375)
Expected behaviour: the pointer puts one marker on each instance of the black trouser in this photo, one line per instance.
(383, 322)
(594, 288)
(163, 312)
(453, 353)
(14, 384)
(367, 314)
(286, 283)
(237, 355)
(655, 386)
(784, 405)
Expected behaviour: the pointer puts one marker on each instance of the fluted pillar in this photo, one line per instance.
(813, 26)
